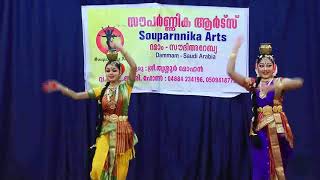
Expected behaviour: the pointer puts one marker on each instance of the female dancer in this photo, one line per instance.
(116, 139)
(272, 139)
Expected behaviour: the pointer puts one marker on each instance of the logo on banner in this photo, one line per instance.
(107, 35)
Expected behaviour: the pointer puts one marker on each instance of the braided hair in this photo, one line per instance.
(255, 104)
(100, 110)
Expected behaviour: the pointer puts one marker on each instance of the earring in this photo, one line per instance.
(275, 70)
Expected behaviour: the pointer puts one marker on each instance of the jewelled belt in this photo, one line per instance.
(270, 114)
(115, 118)
(268, 110)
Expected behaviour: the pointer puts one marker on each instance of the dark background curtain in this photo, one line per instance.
(46, 137)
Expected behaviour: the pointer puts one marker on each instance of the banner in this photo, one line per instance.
(180, 50)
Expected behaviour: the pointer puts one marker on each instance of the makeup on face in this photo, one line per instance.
(265, 68)
(112, 73)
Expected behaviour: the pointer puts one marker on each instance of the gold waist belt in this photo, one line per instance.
(115, 118)
(268, 110)
(270, 114)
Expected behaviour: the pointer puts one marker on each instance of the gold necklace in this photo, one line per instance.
(112, 96)
(263, 94)
(266, 80)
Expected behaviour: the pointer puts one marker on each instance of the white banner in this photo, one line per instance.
(180, 50)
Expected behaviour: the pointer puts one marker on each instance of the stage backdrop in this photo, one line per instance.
(178, 49)
(45, 137)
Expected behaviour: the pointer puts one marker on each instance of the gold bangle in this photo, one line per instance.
(233, 56)
(123, 51)
(279, 85)
(66, 90)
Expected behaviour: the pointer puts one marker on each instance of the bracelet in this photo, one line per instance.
(279, 85)
(233, 56)
(65, 90)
